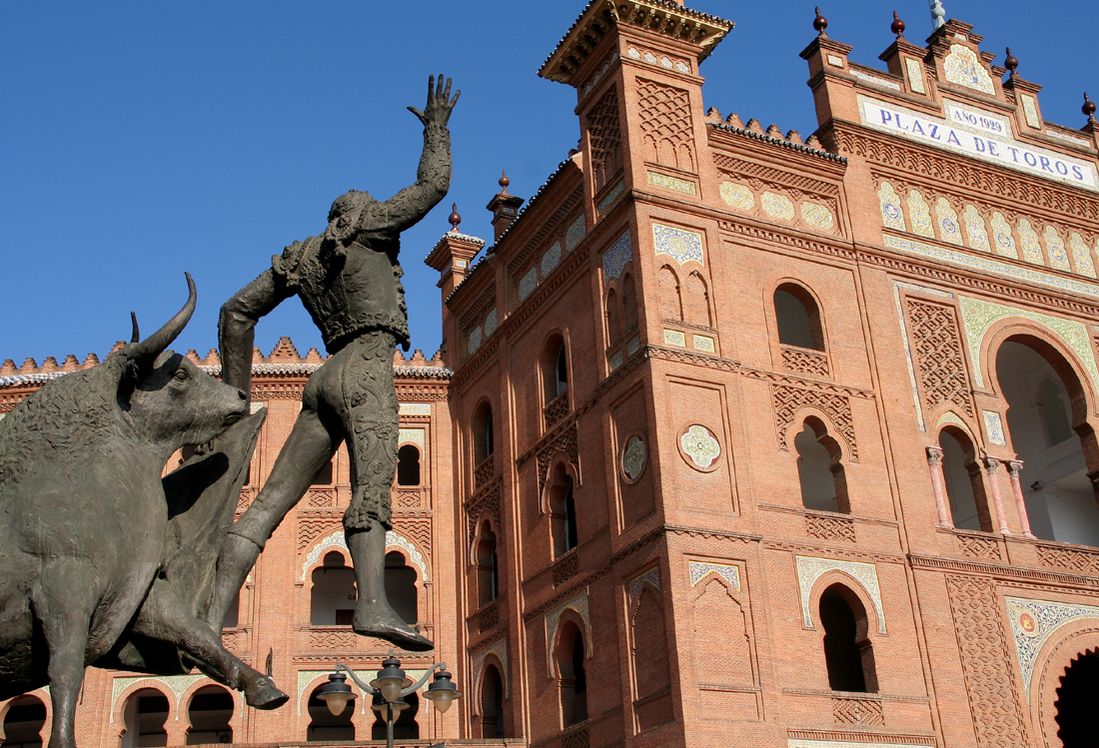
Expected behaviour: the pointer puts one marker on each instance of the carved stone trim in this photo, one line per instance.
(810, 569)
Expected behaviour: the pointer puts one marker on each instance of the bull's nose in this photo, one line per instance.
(241, 395)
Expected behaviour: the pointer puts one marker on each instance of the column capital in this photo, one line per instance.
(934, 455)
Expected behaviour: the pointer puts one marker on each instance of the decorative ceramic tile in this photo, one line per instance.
(920, 214)
(994, 428)
(875, 80)
(1003, 239)
(682, 66)
(995, 267)
(978, 316)
(964, 68)
(951, 418)
(576, 232)
(817, 215)
(686, 186)
(490, 323)
(1055, 248)
(650, 58)
(551, 259)
(699, 570)
(703, 343)
(681, 245)
(892, 216)
(633, 54)
(177, 684)
(617, 257)
(947, 218)
(611, 197)
(634, 345)
(835, 61)
(699, 446)
(528, 283)
(474, 340)
(650, 578)
(414, 409)
(914, 69)
(1028, 239)
(666, 63)
(1033, 622)
(412, 436)
(1081, 255)
(975, 230)
(777, 206)
(738, 196)
(675, 337)
(633, 458)
(335, 541)
(812, 568)
(1030, 111)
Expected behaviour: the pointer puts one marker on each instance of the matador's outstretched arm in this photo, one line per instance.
(237, 323)
(433, 175)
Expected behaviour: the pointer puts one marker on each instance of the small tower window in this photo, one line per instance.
(798, 318)
(408, 466)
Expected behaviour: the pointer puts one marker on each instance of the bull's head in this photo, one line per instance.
(171, 401)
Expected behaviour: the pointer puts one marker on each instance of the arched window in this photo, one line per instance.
(573, 677)
(614, 317)
(1076, 699)
(332, 598)
(323, 725)
(671, 303)
(400, 587)
(210, 710)
(488, 570)
(820, 470)
(562, 511)
(963, 481)
(24, 722)
(555, 369)
(482, 433)
(1040, 390)
(408, 465)
(696, 301)
(848, 653)
(143, 717)
(405, 727)
(798, 317)
(492, 704)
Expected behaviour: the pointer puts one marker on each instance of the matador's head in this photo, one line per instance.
(347, 214)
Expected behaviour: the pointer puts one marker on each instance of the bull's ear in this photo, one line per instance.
(146, 351)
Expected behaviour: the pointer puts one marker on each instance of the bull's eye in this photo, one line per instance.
(180, 375)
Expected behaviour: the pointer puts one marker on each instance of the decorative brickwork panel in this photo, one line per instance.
(483, 473)
(857, 711)
(409, 499)
(418, 531)
(666, 124)
(650, 659)
(989, 680)
(564, 442)
(787, 400)
(556, 409)
(1069, 559)
(565, 569)
(722, 643)
(940, 365)
(805, 361)
(604, 132)
(830, 528)
(489, 617)
(577, 739)
(310, 530)
(339, 641)
(247, 496)
(319, 498)
(484, 502)
(985, 549)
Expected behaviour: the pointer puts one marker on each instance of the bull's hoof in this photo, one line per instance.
(264, 695)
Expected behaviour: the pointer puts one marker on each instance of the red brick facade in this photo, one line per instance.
(743, 439)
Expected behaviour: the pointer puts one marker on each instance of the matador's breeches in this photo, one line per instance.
(370, 420)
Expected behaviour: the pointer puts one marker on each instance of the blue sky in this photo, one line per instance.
(143, 139)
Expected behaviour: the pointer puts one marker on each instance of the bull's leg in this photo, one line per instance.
(310, 445)
(66, 620)
(200, 644)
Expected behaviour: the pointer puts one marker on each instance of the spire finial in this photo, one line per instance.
(938, 14)
(897, 27)
(455, 219)
(820, 23)
(1011, 62)
(504, 182)
(1088, 108)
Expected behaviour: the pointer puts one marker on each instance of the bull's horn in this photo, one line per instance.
(136, 334)
(151, 347)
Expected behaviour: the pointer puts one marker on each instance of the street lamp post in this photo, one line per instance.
(389, 689)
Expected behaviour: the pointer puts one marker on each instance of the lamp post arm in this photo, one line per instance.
(419, 684)
(366, 687)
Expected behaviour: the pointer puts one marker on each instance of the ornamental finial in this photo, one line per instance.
(897, 27)
(820, 23)
(455, 219)
(504, 182)
(1088, 108)
(1011, 62)
(938, 14)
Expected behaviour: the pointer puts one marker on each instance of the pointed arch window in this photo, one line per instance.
(408, 465)
(482, 433)
(488, 569)
(493, 723)
(848, 652)
(572, 672)
(798, 317)
(820, 469)
(210, 711)
(963, 481)
(562, 510)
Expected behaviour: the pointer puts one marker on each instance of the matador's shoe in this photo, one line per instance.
(384, 624)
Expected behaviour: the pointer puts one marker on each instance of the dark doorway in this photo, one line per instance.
(1076, 701)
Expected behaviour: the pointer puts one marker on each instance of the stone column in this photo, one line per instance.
(1014, 467)
(992, 465)
(938, 485)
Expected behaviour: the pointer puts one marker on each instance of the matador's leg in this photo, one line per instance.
(310, 445)
(370, 418)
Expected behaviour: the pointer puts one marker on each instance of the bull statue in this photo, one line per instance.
(102, 561)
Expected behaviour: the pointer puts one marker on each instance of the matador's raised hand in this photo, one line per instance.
(439, 104)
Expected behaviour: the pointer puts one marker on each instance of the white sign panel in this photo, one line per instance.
(970, 132)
